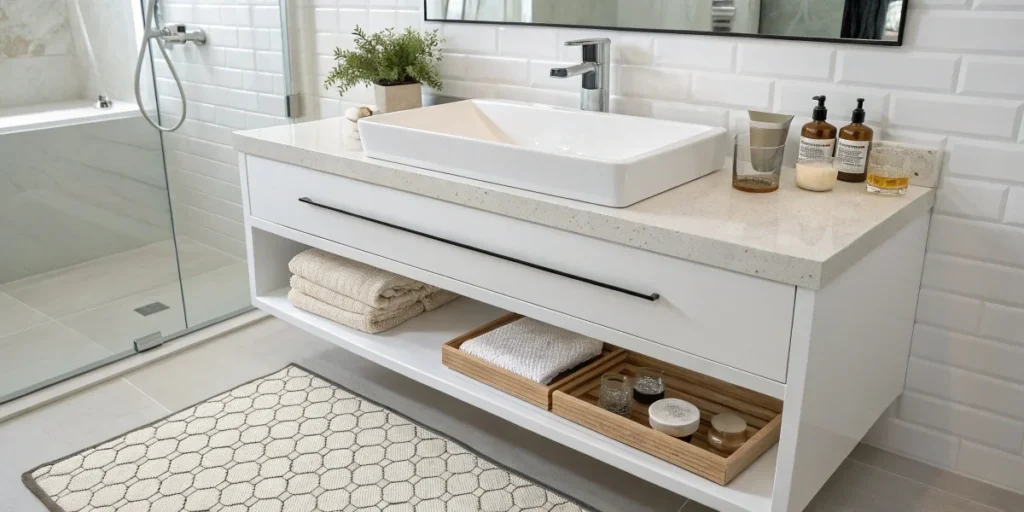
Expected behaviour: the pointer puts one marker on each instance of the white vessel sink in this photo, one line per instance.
(606, 159)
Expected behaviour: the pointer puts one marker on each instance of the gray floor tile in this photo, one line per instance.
(693, 506)
(236, 357)
(95, 283)
(995, 497)
(857, 487)
(116, 325)
(65, 427)
(43, 352)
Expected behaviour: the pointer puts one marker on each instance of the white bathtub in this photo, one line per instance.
(65, 113)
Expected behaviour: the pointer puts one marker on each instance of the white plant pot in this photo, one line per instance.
(392, 98)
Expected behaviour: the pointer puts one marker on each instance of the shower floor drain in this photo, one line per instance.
(149, 309)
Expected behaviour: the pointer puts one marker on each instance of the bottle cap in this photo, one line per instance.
(858, 113)
(820, 112)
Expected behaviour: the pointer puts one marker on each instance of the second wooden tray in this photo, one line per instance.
(520, 387)
(577, 401)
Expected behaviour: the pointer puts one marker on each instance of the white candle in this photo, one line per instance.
(818, 176)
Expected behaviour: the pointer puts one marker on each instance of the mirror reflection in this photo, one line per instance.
(866, 21)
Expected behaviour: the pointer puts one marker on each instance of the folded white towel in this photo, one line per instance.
(369, 285)
(533, 349)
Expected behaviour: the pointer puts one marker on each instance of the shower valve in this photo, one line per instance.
(178, 33)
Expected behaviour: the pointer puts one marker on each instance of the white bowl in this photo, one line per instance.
(675, 417)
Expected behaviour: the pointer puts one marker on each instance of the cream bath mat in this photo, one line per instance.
(288, 442)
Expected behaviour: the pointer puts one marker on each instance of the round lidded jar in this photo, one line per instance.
(675, 417)
(728, 433)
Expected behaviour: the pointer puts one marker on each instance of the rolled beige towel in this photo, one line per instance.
(369, 285)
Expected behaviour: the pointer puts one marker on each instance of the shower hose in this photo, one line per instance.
(150, 34)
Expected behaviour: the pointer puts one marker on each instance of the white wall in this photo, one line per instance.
(957, 84)
(108, 29)
(234, 82)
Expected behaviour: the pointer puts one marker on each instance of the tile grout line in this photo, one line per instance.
(681, 507)
(15, 299)
(49, 319)
(943, 491)
(132, 384)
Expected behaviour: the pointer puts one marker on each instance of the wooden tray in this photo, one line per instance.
(520, 387)
(577, 401)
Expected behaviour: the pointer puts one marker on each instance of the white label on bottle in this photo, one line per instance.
(852, 156)
(816, 149)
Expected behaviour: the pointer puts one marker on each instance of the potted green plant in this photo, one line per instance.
(395, 63)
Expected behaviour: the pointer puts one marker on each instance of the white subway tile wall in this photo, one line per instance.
(234, 82)
(956, 84)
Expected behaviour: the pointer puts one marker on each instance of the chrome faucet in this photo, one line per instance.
(596, 72)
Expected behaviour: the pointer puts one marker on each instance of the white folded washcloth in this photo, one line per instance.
(369, 285)
(533, 349)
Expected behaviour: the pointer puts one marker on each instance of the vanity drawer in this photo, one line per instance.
(730, 318)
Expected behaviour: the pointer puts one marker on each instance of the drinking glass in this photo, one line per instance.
(617, 393)
(888, 172)
(756, 169)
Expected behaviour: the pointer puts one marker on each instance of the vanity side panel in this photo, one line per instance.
(848, 361)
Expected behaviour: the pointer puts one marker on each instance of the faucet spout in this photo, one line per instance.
(571, 71)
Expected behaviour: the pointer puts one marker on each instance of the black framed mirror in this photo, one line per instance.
(874, 22)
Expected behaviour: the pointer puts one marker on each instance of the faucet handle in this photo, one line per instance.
(596, 41)
(595, 49)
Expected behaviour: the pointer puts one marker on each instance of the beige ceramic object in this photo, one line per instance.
(393, 98)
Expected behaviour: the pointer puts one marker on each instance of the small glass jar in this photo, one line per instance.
(727, 434)
(888, 172)
(649, 385)
(617, 393)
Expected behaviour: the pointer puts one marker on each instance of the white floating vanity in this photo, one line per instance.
(805, 297)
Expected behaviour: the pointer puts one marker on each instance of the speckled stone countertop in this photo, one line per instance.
(791, 236)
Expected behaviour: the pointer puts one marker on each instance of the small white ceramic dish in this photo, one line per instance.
(675, 417)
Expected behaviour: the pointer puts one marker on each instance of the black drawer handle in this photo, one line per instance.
(652, 297)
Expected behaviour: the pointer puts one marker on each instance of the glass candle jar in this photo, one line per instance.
(649, 385)
(727, 434)
(818, 175)
(616, 393)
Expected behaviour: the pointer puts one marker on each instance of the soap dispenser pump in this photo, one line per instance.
(853, 146)
(817, 138)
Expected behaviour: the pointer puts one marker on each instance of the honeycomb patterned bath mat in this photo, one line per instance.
(288, 442)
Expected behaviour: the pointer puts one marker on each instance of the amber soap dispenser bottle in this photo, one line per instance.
(817, 138)
(853, 146)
